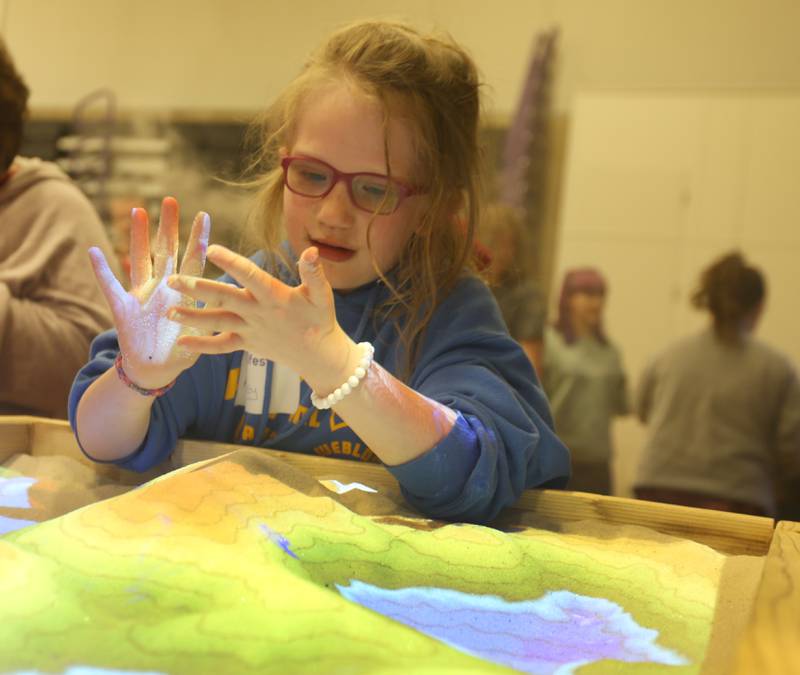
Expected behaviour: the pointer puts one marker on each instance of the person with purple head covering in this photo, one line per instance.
(583, 377)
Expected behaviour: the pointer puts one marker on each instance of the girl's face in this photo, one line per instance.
(586, 308)
(341, 126)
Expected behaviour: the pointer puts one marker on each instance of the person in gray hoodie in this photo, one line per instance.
(50, 306)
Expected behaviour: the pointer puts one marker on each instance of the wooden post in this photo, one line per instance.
(771, 641)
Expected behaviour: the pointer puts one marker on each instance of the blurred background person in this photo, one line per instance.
(722, 408)
(584, 379)
(50, 305)
(521, 302)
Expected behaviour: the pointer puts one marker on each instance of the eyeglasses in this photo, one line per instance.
(372, 192)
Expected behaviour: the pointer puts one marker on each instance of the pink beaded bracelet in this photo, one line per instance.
(325, 402)
(139, 390)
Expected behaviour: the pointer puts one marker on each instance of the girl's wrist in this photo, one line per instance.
(155, 392)
(135, 379)
(337, 359)
(357, 375)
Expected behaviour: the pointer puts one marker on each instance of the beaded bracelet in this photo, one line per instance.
(139, 390)
(325, 402)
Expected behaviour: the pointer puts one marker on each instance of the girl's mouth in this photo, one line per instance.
(332, 252)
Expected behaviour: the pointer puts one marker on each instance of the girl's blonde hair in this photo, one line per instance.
(431, 83)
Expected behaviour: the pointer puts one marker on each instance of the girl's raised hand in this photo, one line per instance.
(147, 338)
(294, 326)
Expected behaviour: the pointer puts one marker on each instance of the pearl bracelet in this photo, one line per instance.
(325, 402)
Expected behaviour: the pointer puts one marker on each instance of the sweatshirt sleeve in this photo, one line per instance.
(54, 308)
(503, 440)
(172, 415)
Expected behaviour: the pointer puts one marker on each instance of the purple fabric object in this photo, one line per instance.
(521, 138)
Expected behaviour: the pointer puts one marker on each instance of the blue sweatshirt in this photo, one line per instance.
(502, 441)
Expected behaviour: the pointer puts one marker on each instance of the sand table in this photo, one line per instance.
(243, 564)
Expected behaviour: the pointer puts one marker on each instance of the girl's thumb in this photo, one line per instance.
(313, 276)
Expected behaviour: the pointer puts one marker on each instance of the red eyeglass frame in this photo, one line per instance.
(403, 190)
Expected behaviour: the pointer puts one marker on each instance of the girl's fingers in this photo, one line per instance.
(167, 236)
(206, 320)
(249, 275)
(157, 291)
(313, 277)
(222, 343)
(212, 293)
(109, 284)
(141, 266)
(194, 258)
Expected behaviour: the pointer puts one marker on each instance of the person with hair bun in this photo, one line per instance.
(723, 409)
(583, 377)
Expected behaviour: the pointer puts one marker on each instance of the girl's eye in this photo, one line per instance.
(313, 176)
(374, 189)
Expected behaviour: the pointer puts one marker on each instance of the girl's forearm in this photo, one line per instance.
(396, 422)
(112, 419)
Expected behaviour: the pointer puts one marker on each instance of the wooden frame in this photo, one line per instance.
(771, 642)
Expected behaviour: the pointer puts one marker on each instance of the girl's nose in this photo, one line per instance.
(336, 209)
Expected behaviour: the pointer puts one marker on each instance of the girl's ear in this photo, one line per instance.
(283, 151)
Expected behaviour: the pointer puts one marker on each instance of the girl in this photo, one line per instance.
(363, 335)
(520, 301)
(723, 409)
(584, 379)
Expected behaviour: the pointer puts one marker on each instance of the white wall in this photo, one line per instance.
(214, 54)
(222, 55)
